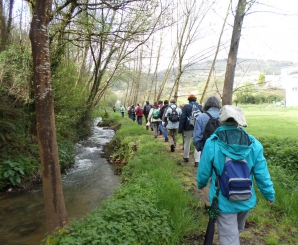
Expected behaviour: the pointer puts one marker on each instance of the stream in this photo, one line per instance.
(90, 181)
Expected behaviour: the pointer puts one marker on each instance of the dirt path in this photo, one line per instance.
(248, 237)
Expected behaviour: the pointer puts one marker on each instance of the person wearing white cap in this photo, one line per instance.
(231, 141)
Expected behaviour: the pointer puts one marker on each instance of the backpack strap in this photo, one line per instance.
(208, 114)
(217, 179)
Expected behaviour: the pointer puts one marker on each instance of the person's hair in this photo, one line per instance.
(155, 104)
(166, 102)
(212, 101)
(230, 121)
(192, 99)
(147, 102)
(159, 102)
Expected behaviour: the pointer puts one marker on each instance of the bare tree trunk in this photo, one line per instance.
(126, 94)
(83, 65)
(9, 21)
(154, 79)
(56, 214)
(177, 81)
(232, 58)
(215, 56)
(139, 76)
(2, 27)
(148, 89)
(165, 78)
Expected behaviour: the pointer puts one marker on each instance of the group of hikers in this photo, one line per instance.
(227, 157)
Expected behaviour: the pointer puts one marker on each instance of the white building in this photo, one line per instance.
(289, 79)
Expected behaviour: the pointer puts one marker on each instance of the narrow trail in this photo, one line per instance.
(248, 237)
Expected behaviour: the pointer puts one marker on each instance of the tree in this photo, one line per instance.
(56, 214)
(189, 18)
(5, 27)
(233, 52)
(215, 56)
(261, 80)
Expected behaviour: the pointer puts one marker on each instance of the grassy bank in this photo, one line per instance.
(150, 207)
(154, 204)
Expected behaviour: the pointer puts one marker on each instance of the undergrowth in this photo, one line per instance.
(152, 205)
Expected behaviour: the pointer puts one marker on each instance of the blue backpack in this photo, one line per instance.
(235, 183)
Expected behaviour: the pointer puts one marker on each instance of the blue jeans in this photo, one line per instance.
(140, 120)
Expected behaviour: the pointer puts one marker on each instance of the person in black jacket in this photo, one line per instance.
(189, 111)
(146, 111)
(161, 116)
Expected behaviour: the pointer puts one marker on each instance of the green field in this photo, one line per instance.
(276, 121)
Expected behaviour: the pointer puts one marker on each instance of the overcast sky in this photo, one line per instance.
(269, 31)
(272, 34)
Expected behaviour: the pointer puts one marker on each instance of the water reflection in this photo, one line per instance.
(89, 182)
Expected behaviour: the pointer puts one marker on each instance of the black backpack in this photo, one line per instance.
(147, 109)
(211, 126)
(173, 117)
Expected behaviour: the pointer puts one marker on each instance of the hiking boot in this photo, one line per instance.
(196, 164)
(185, 159)
(166, 139)
(172, 148)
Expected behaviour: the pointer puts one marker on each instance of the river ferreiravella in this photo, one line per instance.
(85, 185)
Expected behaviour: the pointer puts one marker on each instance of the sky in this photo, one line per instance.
(269, 31)
(272, 34)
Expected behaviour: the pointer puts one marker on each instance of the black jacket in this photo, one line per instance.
(186, 114)
(162, 110)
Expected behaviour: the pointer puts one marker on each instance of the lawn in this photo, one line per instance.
(271, 121)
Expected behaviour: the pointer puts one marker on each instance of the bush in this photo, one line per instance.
(283, 153)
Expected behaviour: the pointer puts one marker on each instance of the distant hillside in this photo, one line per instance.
(268, 67)
(251, 66)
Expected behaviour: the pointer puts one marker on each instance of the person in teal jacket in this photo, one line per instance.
(231, 140)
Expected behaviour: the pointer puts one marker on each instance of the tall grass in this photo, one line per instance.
(276, 128)
(271, 121)
(152, 206)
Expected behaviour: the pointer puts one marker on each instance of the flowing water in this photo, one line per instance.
(91, 180)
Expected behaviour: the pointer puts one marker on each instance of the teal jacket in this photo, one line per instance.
(236, 144)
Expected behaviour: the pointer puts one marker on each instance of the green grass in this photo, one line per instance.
(278, 122)
(152, 205)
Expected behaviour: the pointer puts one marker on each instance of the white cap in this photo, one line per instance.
(230, 111)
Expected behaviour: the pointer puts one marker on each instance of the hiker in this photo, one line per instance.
(231, 143)
(122, 110)
(162, 117)
(153, 117)
(212, 106)
(172, 116)
(132, 112)
(140, 114)
(114, 108)
(146, 111)
(129, 112)
(160, 128)
(189, 112)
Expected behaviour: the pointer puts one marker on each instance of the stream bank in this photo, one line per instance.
(90, 181)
